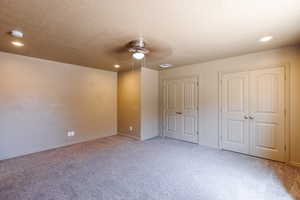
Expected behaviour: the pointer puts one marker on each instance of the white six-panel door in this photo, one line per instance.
(253, 113)
(180, 109)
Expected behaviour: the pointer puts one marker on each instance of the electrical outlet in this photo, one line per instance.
(130, 128)
(70, 133)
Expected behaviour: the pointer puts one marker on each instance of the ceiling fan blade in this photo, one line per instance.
(158, 49)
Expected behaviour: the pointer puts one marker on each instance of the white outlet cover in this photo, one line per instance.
(130, 128)
(71, 133)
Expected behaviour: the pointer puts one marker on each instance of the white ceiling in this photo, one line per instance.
(186, 32)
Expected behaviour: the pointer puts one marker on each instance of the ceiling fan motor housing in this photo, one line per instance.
(138, 46)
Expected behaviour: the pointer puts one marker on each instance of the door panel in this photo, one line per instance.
(189, 125)
(235, 131)
(236, 86)
(190, 111)
(189, 89)
(171, 97)
(267, 93)
(267, 106)
(172, 104)
(266, 135)
(181, 115)
(171, 123)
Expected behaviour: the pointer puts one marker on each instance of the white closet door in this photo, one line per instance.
(235, 125)
(181, 115)
(267, 113)
(189, 115)
(172, 121)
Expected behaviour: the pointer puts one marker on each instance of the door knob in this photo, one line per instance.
(251, 117)
(179, 113)
(246, 117)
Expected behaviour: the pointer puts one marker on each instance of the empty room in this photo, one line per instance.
(150, 100)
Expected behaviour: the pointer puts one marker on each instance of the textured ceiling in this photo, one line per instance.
(88, 32)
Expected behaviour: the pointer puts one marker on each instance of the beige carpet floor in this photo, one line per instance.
(119, 168)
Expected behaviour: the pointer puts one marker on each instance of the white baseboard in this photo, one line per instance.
(295, 164)
(209, 146)
(130, 136)
(65, 144)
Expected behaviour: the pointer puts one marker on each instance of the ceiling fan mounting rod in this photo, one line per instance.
(137, 44)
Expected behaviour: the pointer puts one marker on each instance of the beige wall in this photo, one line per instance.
(129, 98)
(149, 103)
(40, 100)
(208, 76)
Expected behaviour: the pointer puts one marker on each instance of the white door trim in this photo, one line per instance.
(163, 110)
(286, 103)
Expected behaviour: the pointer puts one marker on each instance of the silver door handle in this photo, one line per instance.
(179, 113)
(246, 117)
(251, 117)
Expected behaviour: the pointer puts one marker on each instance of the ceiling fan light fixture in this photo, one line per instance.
(138, 55)
(17, 34)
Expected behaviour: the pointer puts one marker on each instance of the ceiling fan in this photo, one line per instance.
(139, 50)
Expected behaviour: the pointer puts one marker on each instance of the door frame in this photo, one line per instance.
(163, 110)
(287, 103)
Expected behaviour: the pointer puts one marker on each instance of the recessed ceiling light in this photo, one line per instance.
(165, 65)
(117, 66)
(266, 38)
(18, 44)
